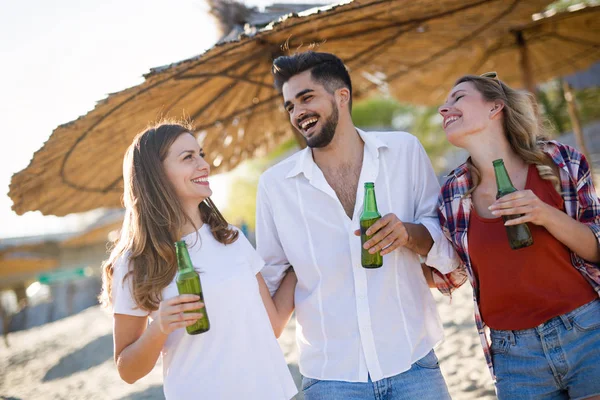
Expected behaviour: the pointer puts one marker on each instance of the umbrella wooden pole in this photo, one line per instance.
(527, 70)
(6, 319)
(575, 121)
(525, 63)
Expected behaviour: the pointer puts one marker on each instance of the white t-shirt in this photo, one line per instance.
(239, 357)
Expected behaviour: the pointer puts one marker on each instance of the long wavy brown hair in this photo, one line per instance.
(523, 126)
(153, 218)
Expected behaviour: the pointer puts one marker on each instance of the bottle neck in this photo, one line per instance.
(184, 263)
(370, 203)
(503, 181)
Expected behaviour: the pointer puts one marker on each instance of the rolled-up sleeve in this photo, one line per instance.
(589, 205)
(268, 244)
(441, 256)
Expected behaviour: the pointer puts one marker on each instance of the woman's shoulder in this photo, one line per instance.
(566, 156)
(237, 252)
(561, 152)
(122, 264)
(240, 240)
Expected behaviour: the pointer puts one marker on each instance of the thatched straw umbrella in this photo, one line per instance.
(228, 91)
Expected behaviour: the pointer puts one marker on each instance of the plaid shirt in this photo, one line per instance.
(454, 207)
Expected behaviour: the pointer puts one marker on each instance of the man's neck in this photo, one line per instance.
(345, 149)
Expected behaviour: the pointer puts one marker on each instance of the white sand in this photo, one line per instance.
(72, 358)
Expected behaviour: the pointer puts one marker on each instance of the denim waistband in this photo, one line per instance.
(563, 319)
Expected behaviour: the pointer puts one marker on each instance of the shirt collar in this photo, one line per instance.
(552, 149)
(459, 171)
(305, 162)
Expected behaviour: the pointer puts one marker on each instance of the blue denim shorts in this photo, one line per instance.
(559, 359)
(423, 381)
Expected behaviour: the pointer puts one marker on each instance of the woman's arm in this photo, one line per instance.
(137, 345)
(577, 236)
(281, 305)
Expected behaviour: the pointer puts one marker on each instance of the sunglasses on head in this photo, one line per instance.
(491, 75)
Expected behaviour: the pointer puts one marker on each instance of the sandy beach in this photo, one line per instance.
(72, 358)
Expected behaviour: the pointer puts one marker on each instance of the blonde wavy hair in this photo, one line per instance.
(523, 126)
(153, 218)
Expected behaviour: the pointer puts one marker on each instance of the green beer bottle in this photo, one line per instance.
(188, 282)
(519, 236)
(368, 217)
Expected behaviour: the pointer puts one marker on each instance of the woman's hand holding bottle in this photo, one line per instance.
(174, 313)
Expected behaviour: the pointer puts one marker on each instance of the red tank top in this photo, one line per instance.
(520, 289)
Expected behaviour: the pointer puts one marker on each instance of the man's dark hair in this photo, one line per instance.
(325, 69)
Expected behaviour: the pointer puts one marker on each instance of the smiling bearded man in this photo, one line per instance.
(363, 334)
(323, 138)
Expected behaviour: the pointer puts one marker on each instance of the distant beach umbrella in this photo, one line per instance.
(19, 266)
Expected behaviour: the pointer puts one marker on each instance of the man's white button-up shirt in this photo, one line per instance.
(352, 322)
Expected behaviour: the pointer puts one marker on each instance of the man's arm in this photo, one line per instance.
(419, 239)
(268, 244)
(424, 235)
(389, 233)
(441, 255)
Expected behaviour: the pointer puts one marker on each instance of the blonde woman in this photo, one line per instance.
(167, 199)
(539, 302)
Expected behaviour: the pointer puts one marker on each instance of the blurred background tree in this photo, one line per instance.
(554, 107)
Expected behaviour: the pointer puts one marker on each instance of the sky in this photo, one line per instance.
(59, 57)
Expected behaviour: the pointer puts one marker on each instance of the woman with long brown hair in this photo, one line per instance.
(167, 199)
(539, 302)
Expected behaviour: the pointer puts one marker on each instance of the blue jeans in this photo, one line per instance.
(559, 359)
(423, 381)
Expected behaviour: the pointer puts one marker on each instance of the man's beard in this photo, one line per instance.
(323, 138)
